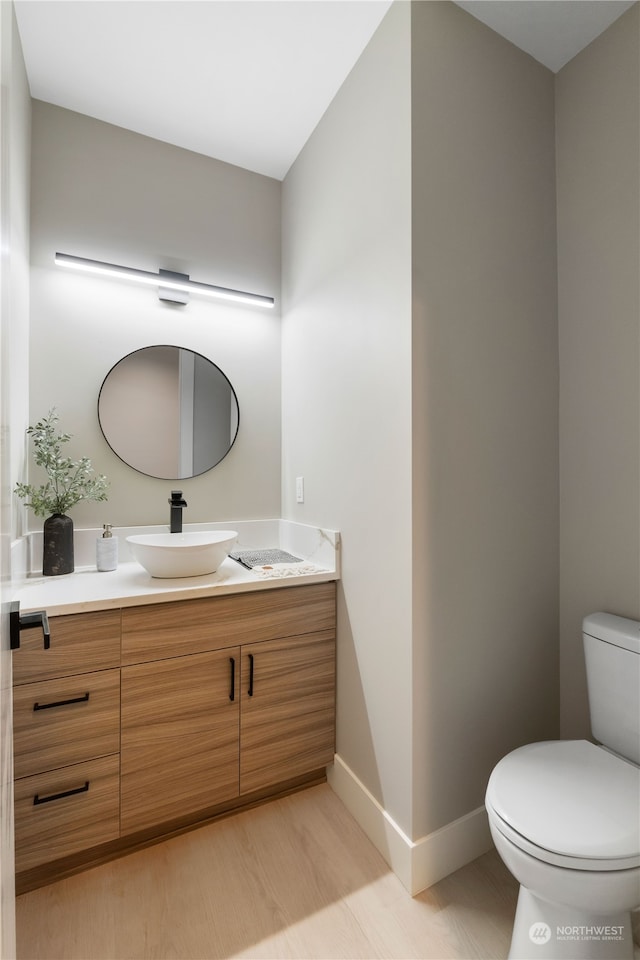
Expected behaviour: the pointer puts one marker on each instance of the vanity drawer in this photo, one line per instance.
(67, 720)
(80, 642)
(65, 811)
(194, 626)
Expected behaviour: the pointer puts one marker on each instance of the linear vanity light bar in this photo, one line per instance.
(165, 279)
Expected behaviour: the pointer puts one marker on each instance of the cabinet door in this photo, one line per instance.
(287, 715)
(179, 743)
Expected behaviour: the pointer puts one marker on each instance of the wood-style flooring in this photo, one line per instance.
(295, 878)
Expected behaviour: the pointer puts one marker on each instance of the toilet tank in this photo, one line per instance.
(612, 657)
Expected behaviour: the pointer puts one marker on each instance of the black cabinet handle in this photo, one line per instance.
(59, 796)
(26, 622)
(232, 691)
(250, 690)
(61, 703)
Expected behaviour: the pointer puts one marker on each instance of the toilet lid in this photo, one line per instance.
(570, 797)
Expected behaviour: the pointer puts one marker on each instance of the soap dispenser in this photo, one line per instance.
(106, 550)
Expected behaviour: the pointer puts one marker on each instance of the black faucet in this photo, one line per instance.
(176, 503)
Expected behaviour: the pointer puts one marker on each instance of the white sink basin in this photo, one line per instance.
(170, 555)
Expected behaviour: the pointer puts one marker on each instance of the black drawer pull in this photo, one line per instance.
(59, 796)
(250, 690)
(61, 703)
(232, 691)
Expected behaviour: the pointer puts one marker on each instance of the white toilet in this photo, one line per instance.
(565, 815)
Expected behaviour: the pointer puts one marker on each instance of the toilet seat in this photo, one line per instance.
(569, 803)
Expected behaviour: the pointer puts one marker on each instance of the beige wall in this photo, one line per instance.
(428, 433)
(485, 394)
(102, 192)
(598, 162)
(347, 392)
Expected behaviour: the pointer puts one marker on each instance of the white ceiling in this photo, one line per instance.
(245, 81)
(552, 31)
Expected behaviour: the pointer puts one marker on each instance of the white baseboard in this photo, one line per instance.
(417, 863)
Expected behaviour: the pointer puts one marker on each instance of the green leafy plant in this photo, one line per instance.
(68, 481)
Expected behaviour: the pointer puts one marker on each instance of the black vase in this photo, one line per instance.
(58, 545)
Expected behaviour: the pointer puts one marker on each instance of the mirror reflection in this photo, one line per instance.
(168, 412)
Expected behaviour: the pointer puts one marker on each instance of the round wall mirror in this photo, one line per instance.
(168, 412)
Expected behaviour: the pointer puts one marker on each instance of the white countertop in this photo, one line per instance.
(130, 585)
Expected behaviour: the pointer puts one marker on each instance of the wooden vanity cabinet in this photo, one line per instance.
(140, 721)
